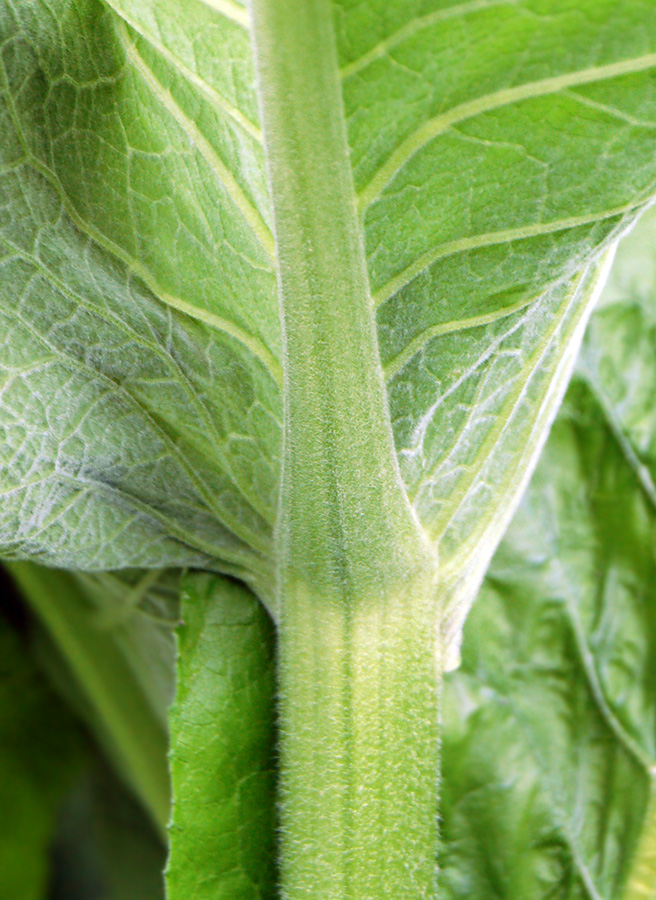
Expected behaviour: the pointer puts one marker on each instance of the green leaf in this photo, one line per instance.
(117, 672)
(549, 741)
(495, 148)
(40, 755)
(132, 286)
(105, 846)
(222, 747)
(442, 197)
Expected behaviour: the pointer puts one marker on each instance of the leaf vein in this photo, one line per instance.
(532, 90)
(215, 97)
(229, 10)
(249, 212)
(415, 26)
(68, 359)
(220, 323)
(641, 472)
(491, 239)
(168, 359)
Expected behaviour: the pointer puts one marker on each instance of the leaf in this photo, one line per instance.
(222, 747)
(496, 147)
(105, 845)
(120, 450)
(549, 740)
(41, 752)
(118, 674)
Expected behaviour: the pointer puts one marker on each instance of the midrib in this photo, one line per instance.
(336, 416)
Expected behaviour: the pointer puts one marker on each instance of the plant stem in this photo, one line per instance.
(358, 678)
(359, 749)
(641, 884)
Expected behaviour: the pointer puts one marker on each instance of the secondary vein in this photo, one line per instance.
(230, 10)
(415, 27)
(252, 215)
(472, 108)
(220, 323)
(491, 239)
(215, 97)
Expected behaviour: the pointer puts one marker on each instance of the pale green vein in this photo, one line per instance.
(641, 878)
(555, 806)
(251, 215)
(13, 165)
(233, 561)
(124, 607)
(503, 419)
(491, 239)
(229, 522)
(394, 365)
(114, 589)
(229, 10)
(505, 97)
(256, 347)
(167, 360)
(56, 512)
(584, 871)
(25, 484)
(414, 27)
(216, 99)
(15, 372)
(611, 111)
(219, 323)
(639, 469)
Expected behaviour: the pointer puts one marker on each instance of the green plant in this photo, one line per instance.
(343, 418)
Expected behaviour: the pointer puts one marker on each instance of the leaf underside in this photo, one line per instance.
(549, 738)
(496, 148)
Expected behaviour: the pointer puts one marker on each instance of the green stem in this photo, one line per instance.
(360, 749)
(358, 679)
(641, 884)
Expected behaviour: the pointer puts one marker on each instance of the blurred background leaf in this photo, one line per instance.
(41, 752)
(550, 724)
(73, 824)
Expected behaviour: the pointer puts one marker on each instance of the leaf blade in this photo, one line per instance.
(222, 746)
(115, 670)
(555, 705)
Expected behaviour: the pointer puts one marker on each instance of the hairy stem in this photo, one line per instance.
(358, 679)
(641, 883)
(359, 748)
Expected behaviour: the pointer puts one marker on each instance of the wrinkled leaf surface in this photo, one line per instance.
(550, 737)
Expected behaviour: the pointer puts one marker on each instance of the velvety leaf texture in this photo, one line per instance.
(496, 147)
(549, 742)
(490, 154)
